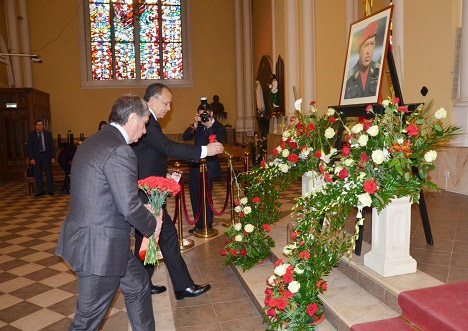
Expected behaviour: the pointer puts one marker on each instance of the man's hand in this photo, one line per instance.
(33, 162)
(148, 206)
(159, 223)
(214, 148)
(53, 161)
(197, 120)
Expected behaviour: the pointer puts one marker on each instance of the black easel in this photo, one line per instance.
(360, 111)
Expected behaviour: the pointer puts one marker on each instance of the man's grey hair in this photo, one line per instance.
(125, 105)
(154, 90)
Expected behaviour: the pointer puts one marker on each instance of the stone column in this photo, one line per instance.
(461, 107)
(308, 53)
(273, 36)
(352, 14)
(291, 63)
(249, 124)
(25, 46)
(239, 67)
(13, 45)
(399, 38)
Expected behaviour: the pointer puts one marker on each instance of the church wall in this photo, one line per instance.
(80, 110)
(3, 33)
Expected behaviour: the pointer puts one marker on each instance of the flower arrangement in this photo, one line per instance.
(156, 189)
(386, 156)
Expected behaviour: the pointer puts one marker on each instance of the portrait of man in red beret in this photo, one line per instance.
(365, 57)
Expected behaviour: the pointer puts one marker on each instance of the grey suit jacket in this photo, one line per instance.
(104, 203)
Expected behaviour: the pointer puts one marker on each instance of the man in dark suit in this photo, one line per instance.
(104, 205)
(152, 152)
(41, 153)
(201, 130)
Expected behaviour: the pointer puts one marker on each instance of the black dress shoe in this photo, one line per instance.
(192, 291)
(39, 194)
(156, 289)
(192, 230)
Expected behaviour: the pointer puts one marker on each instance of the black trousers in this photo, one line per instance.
(43, 161)
(169, 244)
(194, 187)
(95, 295)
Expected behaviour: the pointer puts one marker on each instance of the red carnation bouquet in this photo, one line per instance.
(156, 189)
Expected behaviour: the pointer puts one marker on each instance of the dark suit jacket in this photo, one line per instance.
(202, 136)
(104, 203)
(154, 147)
(33, 145)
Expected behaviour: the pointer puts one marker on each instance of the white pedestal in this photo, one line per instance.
(311, 181)
(461, 119)
(391, 232)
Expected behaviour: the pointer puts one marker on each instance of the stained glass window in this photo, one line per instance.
(136, 39)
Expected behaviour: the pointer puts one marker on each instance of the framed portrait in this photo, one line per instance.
(367, 47)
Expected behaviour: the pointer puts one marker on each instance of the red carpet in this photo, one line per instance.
(438, 308)
(391, 324)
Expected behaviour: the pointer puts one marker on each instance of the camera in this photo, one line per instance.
(205, 116)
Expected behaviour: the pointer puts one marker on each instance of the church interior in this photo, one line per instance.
(66, 62)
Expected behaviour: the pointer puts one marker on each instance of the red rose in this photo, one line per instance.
(328, 179)
(324, 286)
(293, 235)
(331, 119)
(271, 312)
(293, 157)
(281, 303)
(275, 151)
(312, 309)
(283, 145)
(299, 126)
(266, 227)
(312, 102)
(246, 233)
(396, 101)
(364, 157)
(212, 138)
(319, 283)
(304, 255)
(345, 151)
(256, 199)
(412, 130)
(292, 144)
(311, 126)
(370, 186)
(288, 277)
(234, 252)
(287, 294)
(369, 108)
(267, 298)
(227, 241)
(403, 109)
(243, 252)
(301, 242)
(343, 173)
(318, 154)
(278, 262)
(322, 167)
(263, 164)
(269, 291)
(366, 125)
(223, 252)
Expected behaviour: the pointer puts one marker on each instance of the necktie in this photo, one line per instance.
(41, 142)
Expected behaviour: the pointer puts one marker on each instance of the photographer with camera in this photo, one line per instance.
(204, 126)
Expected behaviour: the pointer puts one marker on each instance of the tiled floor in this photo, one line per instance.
(38, 291)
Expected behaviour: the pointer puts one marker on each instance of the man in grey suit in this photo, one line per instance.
(104, 205)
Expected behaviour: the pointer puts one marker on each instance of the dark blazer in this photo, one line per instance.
(202, 136)
(33, 145)
(104, 204)
(154, 147)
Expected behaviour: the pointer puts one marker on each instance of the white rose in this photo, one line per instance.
(373, 131)
(430, 156)
(237, 226)
(298, 270)
(279, 149)
(357, 128)
(440, 113)
(312, 108)
(280, 270)
(378, 156)
(285, 152)
(329, 133)
(288, 249)
(244, 200)
(297, 104)
(271, 280)
(239, 237)
(365, 199)
(330, 111)
(284, 168)
(400, 140)
(305, 152)
(385, 103)
(348, 162)
(247, 210)
(294, 286)
(338, 169)
(286, 134)
(362, 175)
(362, 141)
(238, 209)
(249, 228)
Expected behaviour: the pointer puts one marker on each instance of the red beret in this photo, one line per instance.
(369, 32)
